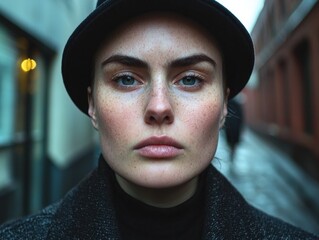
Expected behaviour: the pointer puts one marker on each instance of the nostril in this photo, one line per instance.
(158, 118)
(152, 119)
(168, 119)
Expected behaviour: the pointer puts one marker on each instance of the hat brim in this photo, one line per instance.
(78, 56)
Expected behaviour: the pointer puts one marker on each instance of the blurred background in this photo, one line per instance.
(271, 155)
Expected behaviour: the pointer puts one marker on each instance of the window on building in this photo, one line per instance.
(272, 101)
(264, 86)
(302, 54)
(286, 94)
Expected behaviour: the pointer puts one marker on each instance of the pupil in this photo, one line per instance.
(189, 81)
(128, 81)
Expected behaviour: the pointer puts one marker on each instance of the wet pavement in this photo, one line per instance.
(270, 181)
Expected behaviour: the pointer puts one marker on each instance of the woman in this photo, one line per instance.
(157, 89)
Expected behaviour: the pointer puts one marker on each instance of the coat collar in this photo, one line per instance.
(89, 206)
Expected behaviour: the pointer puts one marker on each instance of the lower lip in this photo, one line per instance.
(159, 151)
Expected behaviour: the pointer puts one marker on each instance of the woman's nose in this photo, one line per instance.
(159, 107)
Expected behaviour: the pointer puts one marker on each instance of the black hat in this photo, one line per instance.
(78, 56)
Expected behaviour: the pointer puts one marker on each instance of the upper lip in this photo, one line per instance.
(158, 140)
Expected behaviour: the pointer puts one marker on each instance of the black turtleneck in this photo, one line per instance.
(139, 221)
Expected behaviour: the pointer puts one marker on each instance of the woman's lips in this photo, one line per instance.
(159, 148)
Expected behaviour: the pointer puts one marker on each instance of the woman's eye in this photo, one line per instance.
(190, 81)
(126, 80)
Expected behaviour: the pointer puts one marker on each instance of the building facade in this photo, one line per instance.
(46, 144)
(282, 98)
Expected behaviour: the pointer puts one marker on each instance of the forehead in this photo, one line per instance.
(155, 30)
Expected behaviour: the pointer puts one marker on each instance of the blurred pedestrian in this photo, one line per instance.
(233, 126)
(155, 77)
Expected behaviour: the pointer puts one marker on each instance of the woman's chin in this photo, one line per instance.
(160, 179)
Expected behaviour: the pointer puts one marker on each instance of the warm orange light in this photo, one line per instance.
(28, 65)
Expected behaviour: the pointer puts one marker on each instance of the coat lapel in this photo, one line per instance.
(225, 208)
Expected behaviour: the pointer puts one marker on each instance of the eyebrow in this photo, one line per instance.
(180, 62)
(191, 60)
(125, 60)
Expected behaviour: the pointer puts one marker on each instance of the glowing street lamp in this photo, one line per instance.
(28, 65)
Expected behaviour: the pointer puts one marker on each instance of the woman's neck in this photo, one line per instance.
(162, 198)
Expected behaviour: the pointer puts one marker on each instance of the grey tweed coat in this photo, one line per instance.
(87, 212)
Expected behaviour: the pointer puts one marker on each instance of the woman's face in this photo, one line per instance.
(158, 100)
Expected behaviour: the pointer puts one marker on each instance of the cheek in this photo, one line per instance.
(204, 122)
(115, 121)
